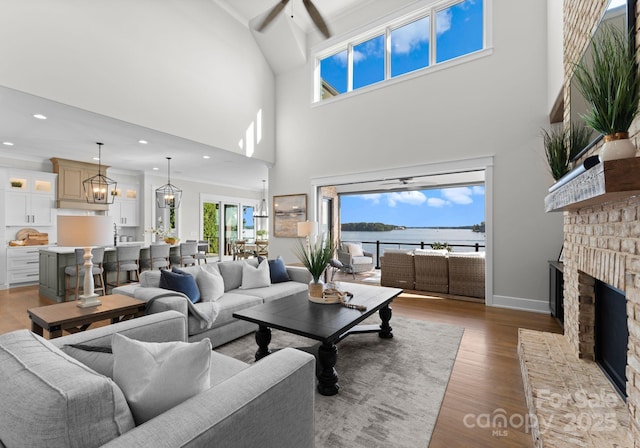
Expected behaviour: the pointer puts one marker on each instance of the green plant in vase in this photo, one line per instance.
(315, 256)
(610, 84)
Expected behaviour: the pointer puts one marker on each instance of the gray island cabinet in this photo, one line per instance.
(53, 260)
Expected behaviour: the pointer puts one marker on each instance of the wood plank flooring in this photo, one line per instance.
(485, 381)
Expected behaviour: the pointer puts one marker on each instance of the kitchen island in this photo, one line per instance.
(54, 259)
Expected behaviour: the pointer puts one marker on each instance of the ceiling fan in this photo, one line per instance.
(399, 181)
(311, 9)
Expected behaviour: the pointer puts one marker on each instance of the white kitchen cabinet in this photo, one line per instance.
(125, 207)
(31, 182)
(29, 199)
(23, 264)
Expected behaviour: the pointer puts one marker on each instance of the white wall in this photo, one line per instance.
(555, 57)
(186, 68)
(492, 106)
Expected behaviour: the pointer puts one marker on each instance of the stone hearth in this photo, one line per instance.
(571, 403)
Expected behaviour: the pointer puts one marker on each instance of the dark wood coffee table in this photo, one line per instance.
(328, 324)
(70, 317)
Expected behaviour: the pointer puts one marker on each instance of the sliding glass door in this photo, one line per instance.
(230, 228)
(226, 221)
(211, 226)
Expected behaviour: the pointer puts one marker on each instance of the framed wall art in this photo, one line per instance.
(288, 211)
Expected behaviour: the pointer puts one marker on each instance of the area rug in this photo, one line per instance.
(390, 389)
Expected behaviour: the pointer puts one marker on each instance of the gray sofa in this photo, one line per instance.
(50, 398)
(221, 327)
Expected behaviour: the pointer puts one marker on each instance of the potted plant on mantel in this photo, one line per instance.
(315, 256)
(561, 145)
(610, 83)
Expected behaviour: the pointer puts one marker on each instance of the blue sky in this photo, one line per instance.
(458, 32)
(459, 206)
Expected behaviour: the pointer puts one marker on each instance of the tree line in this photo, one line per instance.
(381, 227)
(368, 227)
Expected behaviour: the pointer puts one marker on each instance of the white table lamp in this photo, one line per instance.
(306, 229)
(86, 231)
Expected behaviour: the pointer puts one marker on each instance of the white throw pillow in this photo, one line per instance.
(255, 277)
(355, 250)
(211, 285)
(156, 376)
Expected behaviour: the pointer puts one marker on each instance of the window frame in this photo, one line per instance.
(385, 26)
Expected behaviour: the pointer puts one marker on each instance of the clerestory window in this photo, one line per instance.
(442, 32)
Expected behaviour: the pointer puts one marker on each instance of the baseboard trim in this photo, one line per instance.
(516, 303)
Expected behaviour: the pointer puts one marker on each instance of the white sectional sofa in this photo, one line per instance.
(215, 320)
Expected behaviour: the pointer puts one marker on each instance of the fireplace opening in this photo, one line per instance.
(611, 334)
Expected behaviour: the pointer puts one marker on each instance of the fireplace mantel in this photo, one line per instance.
(605, 182)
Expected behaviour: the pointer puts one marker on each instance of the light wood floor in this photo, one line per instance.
(485, 379)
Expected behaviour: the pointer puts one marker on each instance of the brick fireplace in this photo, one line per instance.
(571, 400)
(603, 242)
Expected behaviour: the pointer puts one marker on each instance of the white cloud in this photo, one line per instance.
(358, 56)
(406, 197)
(443, 21)
(477, 190)
(460, 195)
(410, 36)
(341, 58)
(373, 197)
(436, 202)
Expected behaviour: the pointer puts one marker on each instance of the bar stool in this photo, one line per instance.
(77, 271)
(188, 253)
(158, 257)
(127, 260)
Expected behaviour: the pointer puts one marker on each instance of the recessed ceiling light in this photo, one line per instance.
(96, 158)
(206, 157)
(143, 142)
(155, 168)
(39, 116)
(7, 143)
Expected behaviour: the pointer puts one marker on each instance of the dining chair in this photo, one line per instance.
(77, 271)
(262, 248)
(240, 250)
(203, 248)
(188, 253)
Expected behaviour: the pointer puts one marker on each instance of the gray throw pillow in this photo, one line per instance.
(156, 376)
(255, 277)
(231, 273)
(210, 284)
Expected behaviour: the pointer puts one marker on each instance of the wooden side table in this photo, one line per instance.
(70, 317)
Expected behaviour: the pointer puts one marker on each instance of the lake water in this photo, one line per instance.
(415, 236)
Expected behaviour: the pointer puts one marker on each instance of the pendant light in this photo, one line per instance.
(262, 211)
(168, 196)
(99, 189)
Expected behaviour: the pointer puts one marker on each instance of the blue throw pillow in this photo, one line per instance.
(278, 271)
(180, 281)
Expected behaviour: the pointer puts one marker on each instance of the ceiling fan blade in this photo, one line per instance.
(272, 14)
(317, 18)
